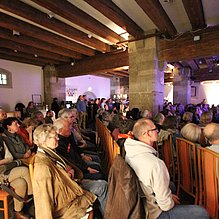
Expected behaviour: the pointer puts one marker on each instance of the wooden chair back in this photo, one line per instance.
(208, 168)
(186, 154)
(167, 155)
(4, 198)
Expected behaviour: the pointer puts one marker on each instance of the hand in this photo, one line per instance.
(71, 173)
(86, 158)
(176, 199)
(27, 154)
(91, 170)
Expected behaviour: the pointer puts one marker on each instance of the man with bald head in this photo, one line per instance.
(211, 132)
(154, 177)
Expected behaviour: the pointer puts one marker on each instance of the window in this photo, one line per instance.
(5, 79)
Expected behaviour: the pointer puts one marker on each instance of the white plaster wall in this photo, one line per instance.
(26, 80)
(99, 86)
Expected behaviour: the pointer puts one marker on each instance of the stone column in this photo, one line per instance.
(146, 76)
(53, 86)
(114, 86)
(181, 86)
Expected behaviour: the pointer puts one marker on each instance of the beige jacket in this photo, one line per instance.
(55, 194)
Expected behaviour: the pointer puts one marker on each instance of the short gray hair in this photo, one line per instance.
(64, 113)
(140, 127)
(58, 123)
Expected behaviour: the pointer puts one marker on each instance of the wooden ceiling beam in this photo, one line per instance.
(31, 50)
(21, 60)
(96, 64)
(185, 48)
(28, 56)
(157, 14)
(12, 23)
(30, 41)
(70, 12)
(204, 74)
(30, 13)
(114, 13)
(195, 13)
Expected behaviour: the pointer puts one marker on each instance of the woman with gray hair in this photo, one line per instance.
(56, 195)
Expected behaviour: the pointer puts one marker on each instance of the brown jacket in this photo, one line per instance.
(55, 194)
(124, 193)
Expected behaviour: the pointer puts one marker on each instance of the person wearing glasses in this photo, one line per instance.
(154, 177)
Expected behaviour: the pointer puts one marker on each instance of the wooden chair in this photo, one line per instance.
(186, 154)
(4, 198)
(208, 169)
(167, 155)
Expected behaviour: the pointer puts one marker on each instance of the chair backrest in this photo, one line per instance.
(208, 166)
(167, 155)
(186, 153)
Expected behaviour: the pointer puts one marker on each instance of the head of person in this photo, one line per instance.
(45, 136)
(3, 114)
(206, 117)
(191, 132)
(30, 104)
(50, 113)
(146, 131)
(28, 121)
(211, 132)
(38, 116)
(187, 116)
(159, 118)
(11, 124)
(146, 114)
(63, 127)
(68, 115)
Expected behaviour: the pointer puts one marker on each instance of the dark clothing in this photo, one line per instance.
(16, 145)
(124, 193)
(48, 120)
(68, 149)
(55, 107)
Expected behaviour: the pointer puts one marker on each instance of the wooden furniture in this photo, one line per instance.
(208, 169)
(4, 198)
(166, 153)
(186, 154)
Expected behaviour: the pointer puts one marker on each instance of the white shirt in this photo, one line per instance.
(153, 176)
(214, 147)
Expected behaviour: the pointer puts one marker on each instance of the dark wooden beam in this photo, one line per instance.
(21, 60)
(185, 48)
(31, 50)
(67, 10)
(157, 14)
(114, 13)
(204, 74)
(12, 23)
(30, 41)
(92, 65)
(25, 56)
(30, 13)
(195, 13)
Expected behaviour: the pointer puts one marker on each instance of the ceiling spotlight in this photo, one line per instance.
(89, 35)
(15, 50)
(72, 63)
(16, 33)
(35, 55)
(170, 66)
(51, 15)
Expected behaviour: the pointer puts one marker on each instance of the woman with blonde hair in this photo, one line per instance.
(56, 195)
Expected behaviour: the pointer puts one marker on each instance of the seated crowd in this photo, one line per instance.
(68, 175)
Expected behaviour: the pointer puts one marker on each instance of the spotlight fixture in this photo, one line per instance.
(16, 33)
(89, 35)
(72, 63)
(15, 50)
(170, 66)
(51, 15)
(35, 55)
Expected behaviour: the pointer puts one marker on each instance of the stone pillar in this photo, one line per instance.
(114, 86)
(146, 76)
(53, 86)
(181, 86)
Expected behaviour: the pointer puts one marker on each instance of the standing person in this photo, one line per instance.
(154, 177)
(56, 195)
(55, 106)
(82, 111)
(30, 109)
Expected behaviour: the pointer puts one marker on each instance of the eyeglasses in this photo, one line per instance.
(151, 130)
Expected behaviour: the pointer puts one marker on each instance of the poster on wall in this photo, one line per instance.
(71, 94)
